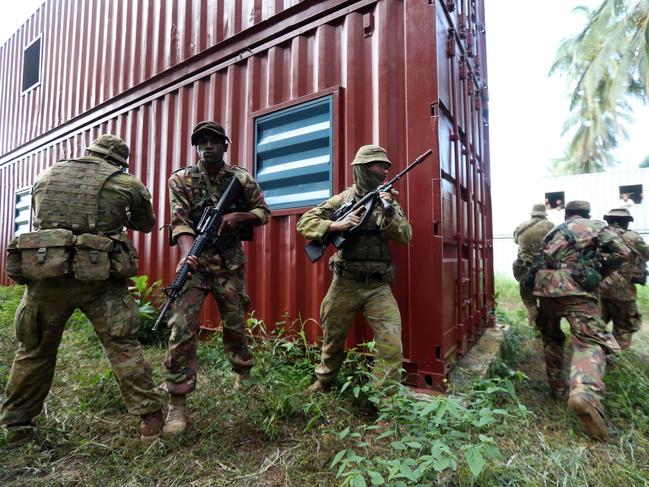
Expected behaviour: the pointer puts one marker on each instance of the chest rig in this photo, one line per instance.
(71, 198)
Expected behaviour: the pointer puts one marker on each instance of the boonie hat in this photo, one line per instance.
(368, 154)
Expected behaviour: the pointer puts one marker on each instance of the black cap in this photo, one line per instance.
(208, 127)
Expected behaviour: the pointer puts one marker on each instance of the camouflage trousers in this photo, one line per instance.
(530, 302)
(229, 291)
(345, 298)
(590, 343)
(626, 319)
(40, 320)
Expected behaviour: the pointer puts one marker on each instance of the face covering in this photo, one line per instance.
(365, 180)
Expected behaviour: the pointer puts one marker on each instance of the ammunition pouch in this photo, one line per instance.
(91, 260)
(44, 254)
(519, 268)
(13, 266)
(639, 276)
(525, 271)
(123, 258)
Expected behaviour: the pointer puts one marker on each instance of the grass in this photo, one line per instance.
(500, 431)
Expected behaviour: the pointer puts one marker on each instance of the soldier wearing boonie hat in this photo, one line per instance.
(617, 290)
(529, 237)
(576, 254)
(363, 271)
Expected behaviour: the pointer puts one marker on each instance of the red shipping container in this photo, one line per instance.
(405, 74)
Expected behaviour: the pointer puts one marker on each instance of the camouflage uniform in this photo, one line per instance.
(191, 189)
(107, 201)
(617, 291)
(363, 271)
(529, 237)
(560, 295)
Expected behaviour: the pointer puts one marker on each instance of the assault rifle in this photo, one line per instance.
(207, 233)
(315, 249)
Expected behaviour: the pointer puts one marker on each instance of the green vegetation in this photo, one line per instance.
(501, 431)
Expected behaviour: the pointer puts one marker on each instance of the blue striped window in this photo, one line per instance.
(293, 154)
(22, 217)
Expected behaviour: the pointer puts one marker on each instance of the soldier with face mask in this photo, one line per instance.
(80, 257)
(363, 271)
(617, 291)
(191, 189)
(576, 255)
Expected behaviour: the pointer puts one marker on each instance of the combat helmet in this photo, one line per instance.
(368, 154)
(112, 147)
(208, 127)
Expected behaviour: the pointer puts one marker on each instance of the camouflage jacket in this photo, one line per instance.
(555, 279)
(529, 237)
(123, 202)
(189, 195)
(314, 224)
(618, 284)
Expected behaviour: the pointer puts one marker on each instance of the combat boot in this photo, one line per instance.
(317, 386)
(177, 417)
(151, 426)
(241, 382)
(589, 416)
(19, 434)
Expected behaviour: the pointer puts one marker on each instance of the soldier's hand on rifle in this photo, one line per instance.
(387, 196)
(350, 220)
(192, 260)
(232, 220)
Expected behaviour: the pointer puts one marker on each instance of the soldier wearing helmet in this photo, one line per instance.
(576, 255)
(529, 237)
(617, 291)
(363, 271)
(191, 189)
(79, 256)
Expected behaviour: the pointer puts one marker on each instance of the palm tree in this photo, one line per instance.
(607, 63)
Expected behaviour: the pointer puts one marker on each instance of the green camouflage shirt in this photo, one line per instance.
(618, 285)
(123, 202)
(555, 280)
(189, 195)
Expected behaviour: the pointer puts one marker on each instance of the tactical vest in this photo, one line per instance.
(71, 198)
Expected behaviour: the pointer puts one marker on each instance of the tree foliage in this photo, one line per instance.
(606, 64)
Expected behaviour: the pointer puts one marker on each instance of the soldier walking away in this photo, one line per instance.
(191, 189)
(576, 255)
(363, 271)
(80, 257)
(617, 291)
(529, 237)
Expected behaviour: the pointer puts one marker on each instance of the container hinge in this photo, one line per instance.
(368, 24)
(463, 68)
(462, 30)
(469, 44)
(450, 5)
(434, 109)
(450, 48)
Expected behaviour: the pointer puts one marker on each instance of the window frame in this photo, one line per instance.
(28, 191)
(336, 126)
(40, 66)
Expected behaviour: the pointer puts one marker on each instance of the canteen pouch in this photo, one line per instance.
(46, 253)
(91, 262)
(13, 267)
(519, 266)
(123, 258)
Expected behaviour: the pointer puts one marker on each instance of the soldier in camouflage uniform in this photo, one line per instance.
(363, 271)
(79, 257)
(529, 237)
(617, 291)
(191, 189)
(575, 254)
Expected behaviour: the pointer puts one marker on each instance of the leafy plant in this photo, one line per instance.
(148, 297)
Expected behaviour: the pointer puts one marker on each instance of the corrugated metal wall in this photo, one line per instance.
(406, 74)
